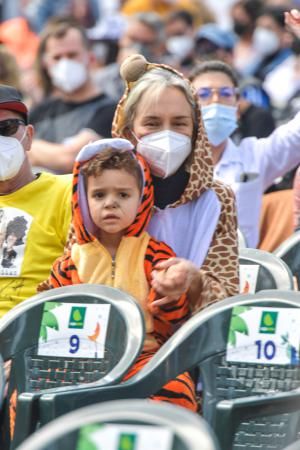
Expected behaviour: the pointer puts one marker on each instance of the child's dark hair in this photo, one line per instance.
(112, 159)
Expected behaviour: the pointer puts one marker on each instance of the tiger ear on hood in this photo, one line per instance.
(133, 68)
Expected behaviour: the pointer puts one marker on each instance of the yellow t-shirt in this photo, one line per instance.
(34, 223)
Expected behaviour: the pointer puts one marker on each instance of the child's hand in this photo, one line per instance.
(292, 20)
(172, 278)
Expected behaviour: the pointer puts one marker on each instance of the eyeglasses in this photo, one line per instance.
(225, 93)
(9, 127)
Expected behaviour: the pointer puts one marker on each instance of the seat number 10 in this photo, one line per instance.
(265, 349)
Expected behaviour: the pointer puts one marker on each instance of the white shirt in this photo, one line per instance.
(189, 228)
(258, 162)
(285, 71)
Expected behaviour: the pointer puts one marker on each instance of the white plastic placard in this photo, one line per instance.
(125, 437)
(264, 335)
(248, 278)
(74, 330)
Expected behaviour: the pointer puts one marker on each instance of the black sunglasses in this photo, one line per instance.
(9, 127)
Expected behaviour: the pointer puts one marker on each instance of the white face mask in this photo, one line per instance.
(164, 151)
(264, 41)
(180, 46)
(68, 75)
(12, 155)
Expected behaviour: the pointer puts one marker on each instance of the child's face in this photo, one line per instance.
(113, 199)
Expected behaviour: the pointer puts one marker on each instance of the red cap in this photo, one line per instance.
(11, 99)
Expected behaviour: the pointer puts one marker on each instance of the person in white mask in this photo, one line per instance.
(251, 167)
(180, 42)
(74, 111)
(35, 208)
(271, 42)
(193, 214)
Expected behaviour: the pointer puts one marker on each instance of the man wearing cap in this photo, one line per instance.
(212, 40)
(35, 208)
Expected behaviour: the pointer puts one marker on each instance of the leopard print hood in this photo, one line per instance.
(200, 165)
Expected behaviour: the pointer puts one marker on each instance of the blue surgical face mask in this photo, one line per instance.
(219, 121)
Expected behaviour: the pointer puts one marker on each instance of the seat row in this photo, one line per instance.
(246, 348)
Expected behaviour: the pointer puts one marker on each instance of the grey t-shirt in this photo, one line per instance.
(55, 120)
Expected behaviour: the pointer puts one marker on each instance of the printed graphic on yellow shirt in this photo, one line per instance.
(14, 227)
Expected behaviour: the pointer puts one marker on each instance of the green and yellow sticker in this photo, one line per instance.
(77, 317)
(268, 322)
(127, 441)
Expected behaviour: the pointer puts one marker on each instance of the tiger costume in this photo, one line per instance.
(88, 261)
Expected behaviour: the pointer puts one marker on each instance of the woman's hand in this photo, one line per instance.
(292, 20)
(173, 278)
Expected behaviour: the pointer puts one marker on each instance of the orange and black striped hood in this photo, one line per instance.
(83, 224)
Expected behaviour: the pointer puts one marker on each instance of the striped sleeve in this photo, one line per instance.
(63, 273)
(169, 317)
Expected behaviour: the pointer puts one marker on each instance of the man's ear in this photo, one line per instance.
(28, 137)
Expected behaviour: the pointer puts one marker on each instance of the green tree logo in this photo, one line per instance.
(49, 320)
(85, 439)
(237, 324)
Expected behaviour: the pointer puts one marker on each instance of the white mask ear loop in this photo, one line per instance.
(135, 137)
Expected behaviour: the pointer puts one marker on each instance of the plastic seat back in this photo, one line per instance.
(232, 413)
(242, 369)
(260, 270)
(125, 425)
(66, 337)
(294, 446)
(2, 381)
(208, 340)
(289, 252)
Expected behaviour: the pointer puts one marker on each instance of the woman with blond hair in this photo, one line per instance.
(194, 214)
